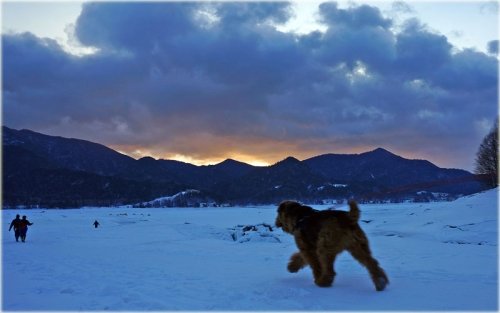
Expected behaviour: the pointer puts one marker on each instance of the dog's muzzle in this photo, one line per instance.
(278, 223)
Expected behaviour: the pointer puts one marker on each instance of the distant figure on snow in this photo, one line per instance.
(16, 223)
(96, 224)
(23, 228)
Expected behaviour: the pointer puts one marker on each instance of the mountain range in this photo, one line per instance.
(54, 171)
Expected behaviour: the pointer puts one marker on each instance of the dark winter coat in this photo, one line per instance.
(23, 228)
(16, 224)
(24, 223)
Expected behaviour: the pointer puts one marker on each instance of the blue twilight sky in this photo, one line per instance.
(257, 81)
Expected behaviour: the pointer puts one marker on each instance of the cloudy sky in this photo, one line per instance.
(257, 82)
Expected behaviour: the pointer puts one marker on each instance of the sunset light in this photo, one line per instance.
(202, 82)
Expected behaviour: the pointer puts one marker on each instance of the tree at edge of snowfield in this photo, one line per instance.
(487, 157)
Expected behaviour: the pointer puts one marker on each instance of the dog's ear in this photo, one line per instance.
(286, 217)
(294, 210)
(303, 210)
(288, 205)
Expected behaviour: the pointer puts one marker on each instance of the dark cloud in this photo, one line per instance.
(217, 80)
(252, 13)
(468, 70)
(25, 56)
(354, 17)
(493, 47)
(133, 26)
(411, 59)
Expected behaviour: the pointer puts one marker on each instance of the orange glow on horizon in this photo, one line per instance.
(269, 158)
(212, 161)
(138, 153)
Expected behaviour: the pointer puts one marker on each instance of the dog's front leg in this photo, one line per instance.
(311, 258)
(327, 260)
(308, 253)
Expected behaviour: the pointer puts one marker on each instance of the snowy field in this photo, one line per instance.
(438, 256)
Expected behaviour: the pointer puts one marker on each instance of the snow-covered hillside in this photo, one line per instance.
(438, 256)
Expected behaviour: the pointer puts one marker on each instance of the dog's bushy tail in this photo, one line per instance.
(354, 212)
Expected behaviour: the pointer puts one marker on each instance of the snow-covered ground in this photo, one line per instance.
(438, 256)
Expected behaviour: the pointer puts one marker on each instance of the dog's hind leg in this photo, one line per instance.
(296, 263)
(361, 252)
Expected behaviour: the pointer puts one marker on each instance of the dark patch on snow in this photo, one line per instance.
(460, 227)
(259, 232)
(463, 242)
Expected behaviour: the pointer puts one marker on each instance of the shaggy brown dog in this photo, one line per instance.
(321, 235)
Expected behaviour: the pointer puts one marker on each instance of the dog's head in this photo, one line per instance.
(289, 213)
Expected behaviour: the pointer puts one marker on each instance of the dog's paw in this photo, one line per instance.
(296, 263)
(324, 281)
(293, 267)
(381, 282)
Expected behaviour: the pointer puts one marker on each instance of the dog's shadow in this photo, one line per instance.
(348, 283)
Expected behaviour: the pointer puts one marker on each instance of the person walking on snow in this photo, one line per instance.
(16, 223)
(23, 228)
(96, 224)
